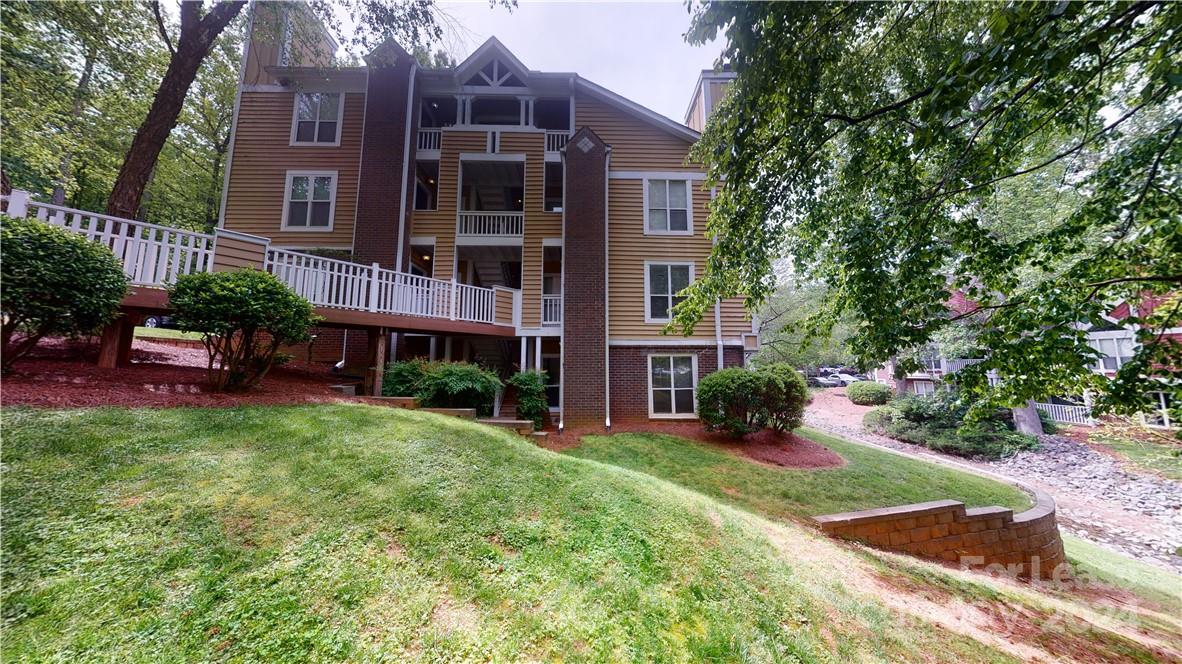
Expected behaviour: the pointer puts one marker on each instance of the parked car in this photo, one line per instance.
(158, 320)
(845, 379)
(823, 381)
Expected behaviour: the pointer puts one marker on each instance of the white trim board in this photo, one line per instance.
(657, 175)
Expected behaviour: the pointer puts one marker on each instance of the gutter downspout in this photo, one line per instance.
(234, 120)
(607, 351)
(410, 96)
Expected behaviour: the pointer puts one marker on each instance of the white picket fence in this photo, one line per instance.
(152, 255)
(1065, 414)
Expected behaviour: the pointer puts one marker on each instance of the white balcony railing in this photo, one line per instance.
(556, 140)
(430, 139)
(1066, 414)
(551, 310)
(152, 255)
(490, 223)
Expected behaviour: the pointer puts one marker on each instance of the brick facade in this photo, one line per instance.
(1027, 544)
(629, 374)
(584, 262)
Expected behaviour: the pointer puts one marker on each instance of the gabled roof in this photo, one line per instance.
(491, 48)
(646, 114)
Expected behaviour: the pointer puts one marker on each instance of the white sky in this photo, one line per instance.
(635, 49)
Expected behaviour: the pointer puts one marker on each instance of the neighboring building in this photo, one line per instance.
(577, 200)
(711, 88)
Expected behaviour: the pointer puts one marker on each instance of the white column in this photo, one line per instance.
(521, 365)
(537, 353)
(18, 204)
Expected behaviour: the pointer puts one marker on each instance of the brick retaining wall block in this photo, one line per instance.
(1026, 545)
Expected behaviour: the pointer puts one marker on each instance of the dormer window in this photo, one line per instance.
(317, 118)
(495, 74)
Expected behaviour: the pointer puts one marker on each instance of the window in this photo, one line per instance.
(667, 209)
(662, 283)
(426, 185)
(553, 187)
(310, 199)
(924, 388)
(672, 380)
(317, 118)
(1115, 353)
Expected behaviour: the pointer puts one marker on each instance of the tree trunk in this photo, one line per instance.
(1026, 420)
(197, 36)
(213, 200)
(81, 92)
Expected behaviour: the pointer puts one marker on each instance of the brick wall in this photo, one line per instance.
(584, 262)
(1027, 544)
(629, 374)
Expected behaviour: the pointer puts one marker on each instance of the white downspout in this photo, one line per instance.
(607, 351)
(410, 97)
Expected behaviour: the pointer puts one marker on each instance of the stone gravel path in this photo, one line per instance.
(1135, 513)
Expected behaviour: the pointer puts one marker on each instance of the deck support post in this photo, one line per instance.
(115, 343)
(378, 338)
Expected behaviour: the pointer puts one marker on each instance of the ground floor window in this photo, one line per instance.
(924, 388)
(1159, 416)
(672, 383)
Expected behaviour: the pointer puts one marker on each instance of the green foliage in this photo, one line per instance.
(785, 334)
(243, 318)
(1026, 153)
(740, 401)
(531, 396)
(1049, 425)
(730, 400)
(54, 283)
(937, 422)
(869, 393)
(402, 378)
(458, 385)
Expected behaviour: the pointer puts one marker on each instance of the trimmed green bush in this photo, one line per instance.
(869, 393)
(531, 396)
(730, 400)
(458, 385)
(739, 401)
(937, 422)
(54, 283)
(243, 318)
(785, 394)
(401, 379)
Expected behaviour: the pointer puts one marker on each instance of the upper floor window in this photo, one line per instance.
(662, 283)
(310, 199)
(317, 118)
(667, 207)
(1115, 353)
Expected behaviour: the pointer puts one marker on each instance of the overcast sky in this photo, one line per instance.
(633, 48)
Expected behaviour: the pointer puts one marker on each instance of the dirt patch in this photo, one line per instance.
(766, 447)
(831, 406)
(63, 374)
(449, 616)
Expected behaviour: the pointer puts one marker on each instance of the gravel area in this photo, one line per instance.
(1138, 514)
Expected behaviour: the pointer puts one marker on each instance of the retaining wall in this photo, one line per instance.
(1026, 544)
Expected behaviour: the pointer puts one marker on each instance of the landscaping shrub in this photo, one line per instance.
(739, 401)
(937, 422)
(401, 379)
(869, 393)
(785, 394)
(531, 396)
(1049, 425)
(243, 318)
(730, 400)
(54, 283)
(458, 385)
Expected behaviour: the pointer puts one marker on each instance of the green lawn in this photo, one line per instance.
(164, 333)
(871, 478)
(365, 533)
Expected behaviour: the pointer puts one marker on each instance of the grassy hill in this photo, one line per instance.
(363, 533)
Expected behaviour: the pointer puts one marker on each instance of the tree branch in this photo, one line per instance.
(160, 27)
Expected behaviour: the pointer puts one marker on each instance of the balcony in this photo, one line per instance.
(556, 140)
(490, 224)
(430, 140)
(551, 310)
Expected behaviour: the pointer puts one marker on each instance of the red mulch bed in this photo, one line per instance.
(766, 447)
(62, 374)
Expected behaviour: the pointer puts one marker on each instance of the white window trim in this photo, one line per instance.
(648, 366)
(295, 118)
(648, 288)
(689, 210)
(332, 200)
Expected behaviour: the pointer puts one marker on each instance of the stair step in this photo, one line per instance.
(465, 413)
(523, 427)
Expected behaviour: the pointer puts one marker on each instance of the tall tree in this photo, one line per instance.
(412, 22)
(870, 140)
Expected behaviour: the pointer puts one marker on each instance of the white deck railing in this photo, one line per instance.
(152, 255)
(325, 282)
(490, 223)
(430, 139)
(1066, 414)
(551, 310)
(556, 140)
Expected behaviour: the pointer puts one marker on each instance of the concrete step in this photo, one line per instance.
(523, 427)
(465, 413)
